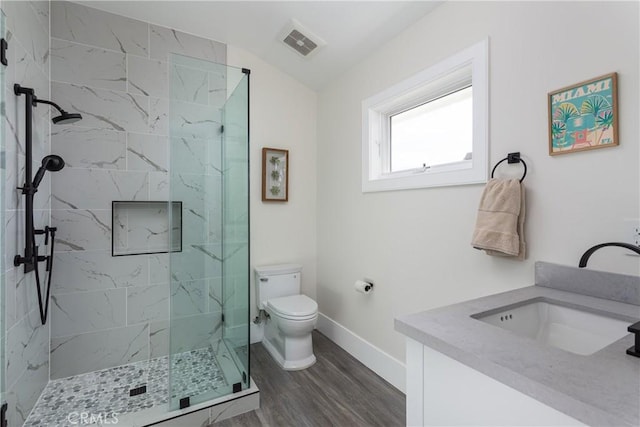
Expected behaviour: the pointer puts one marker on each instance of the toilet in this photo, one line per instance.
(291, 316)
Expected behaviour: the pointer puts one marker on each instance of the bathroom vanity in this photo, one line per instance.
(549, 354)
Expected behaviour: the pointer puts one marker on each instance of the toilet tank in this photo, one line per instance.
(274, 281)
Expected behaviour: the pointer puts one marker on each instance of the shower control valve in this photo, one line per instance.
(47, 231)
(18, 260)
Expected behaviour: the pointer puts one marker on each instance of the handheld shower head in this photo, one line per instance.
(51, 163)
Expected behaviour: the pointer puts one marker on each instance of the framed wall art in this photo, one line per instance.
(275, 175)
(584, 116)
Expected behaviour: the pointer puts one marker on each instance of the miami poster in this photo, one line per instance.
(584, 116)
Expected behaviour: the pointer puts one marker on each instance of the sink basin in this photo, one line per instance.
(551, 323)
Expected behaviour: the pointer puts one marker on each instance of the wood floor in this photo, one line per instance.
(336, 391)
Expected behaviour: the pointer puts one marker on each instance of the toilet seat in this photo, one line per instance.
(294, 307)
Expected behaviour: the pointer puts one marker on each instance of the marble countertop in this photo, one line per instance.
(602, 389)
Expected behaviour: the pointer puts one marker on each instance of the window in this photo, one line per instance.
(431, 129)
(434, 133)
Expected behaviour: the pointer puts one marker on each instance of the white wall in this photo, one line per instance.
(415, 244)
(282, 115)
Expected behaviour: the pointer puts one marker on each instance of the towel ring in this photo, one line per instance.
(512, 158)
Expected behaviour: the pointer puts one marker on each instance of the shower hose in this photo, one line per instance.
(44, 306)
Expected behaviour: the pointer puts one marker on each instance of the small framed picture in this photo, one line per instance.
(275, 175)
(584, 116)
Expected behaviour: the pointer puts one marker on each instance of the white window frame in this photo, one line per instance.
(469, 67)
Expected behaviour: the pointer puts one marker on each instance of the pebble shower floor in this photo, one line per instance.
(107, 391)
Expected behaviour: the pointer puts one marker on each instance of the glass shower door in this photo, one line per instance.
(235, 223)
(205, 274)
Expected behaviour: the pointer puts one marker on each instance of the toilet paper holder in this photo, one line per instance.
(363, 286)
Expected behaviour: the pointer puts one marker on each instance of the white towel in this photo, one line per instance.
(500, 223)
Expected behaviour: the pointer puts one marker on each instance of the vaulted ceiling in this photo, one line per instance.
(351, 29)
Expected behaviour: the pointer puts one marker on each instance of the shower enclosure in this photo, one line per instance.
(208, 154)
(194, 234)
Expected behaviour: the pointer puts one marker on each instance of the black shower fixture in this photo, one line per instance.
(65, 118)
(50, 163)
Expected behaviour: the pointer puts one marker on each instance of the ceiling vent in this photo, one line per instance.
(301, 40)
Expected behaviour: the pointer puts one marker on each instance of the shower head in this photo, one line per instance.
(66, 118)
(51, 163)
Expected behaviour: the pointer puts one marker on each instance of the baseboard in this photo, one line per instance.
(383, 364)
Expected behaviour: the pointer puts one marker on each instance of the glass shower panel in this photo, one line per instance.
(202, 365)
(235, 222)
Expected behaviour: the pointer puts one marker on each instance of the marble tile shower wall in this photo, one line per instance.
(26, 340)
(109, 311)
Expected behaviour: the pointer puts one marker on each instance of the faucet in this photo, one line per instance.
(635, 328)
(590, 251)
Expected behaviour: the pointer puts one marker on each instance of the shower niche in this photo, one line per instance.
(146, 227)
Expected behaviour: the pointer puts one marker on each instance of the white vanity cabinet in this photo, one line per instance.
(465, 369)
(444, 392)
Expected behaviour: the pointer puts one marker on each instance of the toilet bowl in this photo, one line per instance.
(291, 316)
